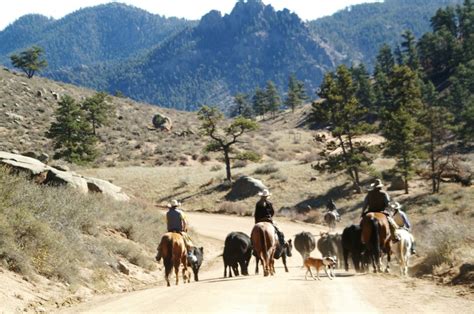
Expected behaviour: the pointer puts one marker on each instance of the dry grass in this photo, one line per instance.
(55, 232)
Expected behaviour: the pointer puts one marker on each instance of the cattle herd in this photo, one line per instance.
(336, 249)
(238, 250)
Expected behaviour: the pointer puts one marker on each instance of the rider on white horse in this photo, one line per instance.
(331, 207)
(401, 219)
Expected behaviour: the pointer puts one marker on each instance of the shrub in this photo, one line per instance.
(55, 232)
(266, 169)
(442, 240)
(216, 167)
(240, 164)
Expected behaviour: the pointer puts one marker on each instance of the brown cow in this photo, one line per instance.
(173, 251)
(264, 244)
(376, 238)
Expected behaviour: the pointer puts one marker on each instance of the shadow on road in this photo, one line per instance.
(215, 280)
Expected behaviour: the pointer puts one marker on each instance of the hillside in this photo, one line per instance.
(184, 64)
(27, 110)
(359, 31)
(108, 32)
(221, 56)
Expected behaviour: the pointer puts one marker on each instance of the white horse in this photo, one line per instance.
(402, 249)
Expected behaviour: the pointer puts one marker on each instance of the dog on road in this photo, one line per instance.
(326, 262)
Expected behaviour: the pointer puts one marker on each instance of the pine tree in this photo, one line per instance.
(260, 102)
(438, 122)
(383, 71)
(364, 90)
(97, 110)
(341, 109)
(241, 106)
(296, 93)
(401, 127)
(30, 61)
(72, 133)
(223, 138)
(409, 51)
(273, 99)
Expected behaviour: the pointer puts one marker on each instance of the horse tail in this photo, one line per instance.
(375, 237)
(168, 256)
(263, 243)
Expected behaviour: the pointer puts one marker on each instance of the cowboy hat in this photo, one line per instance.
(377, 184)
(396, 205)
(265, 193)
(174, 203)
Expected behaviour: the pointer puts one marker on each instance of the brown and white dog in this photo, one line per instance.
(326, 262)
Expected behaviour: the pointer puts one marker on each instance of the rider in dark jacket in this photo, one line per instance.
(264, 213)
(377, 200)
(264, 209)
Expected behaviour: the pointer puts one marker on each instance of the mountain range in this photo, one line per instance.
(184, 64)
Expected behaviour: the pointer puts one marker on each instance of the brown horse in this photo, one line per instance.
(376, 238)
(264, 243)
(173, 251)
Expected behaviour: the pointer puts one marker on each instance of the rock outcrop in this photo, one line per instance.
(44, 174)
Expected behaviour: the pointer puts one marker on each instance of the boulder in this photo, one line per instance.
(162, 122)
(397, 184)
(57, 177)
(244, 187)
(35, 169)
(107, 188)
(123, 268)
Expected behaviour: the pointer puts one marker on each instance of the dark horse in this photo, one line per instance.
(173, 251)
(264, 243)
(376, 238)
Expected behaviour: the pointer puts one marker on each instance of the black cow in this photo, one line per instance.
(237, 251)
(305, 243)
(279, 252)
(352, 245)
(330, 245)
(195, 258)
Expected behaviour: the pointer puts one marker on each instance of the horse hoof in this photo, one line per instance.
(387, 271)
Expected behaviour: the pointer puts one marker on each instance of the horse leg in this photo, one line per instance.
(176, 270)
(389, 256)
(374, 258)
(265, 266)
(168, 269)
(257, 260)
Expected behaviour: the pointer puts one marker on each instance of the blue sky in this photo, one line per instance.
(190, 9)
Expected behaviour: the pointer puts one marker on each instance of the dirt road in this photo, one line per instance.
(284, 292)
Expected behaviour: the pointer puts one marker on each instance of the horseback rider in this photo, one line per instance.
(377, 200)
(331, 207)
(264, 213)
(401, 219)
(176, 222)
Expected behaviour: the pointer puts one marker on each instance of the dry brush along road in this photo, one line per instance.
(284, 292)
